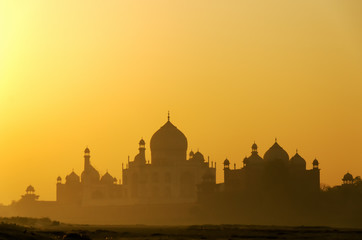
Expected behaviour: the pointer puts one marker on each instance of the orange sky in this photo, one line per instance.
(104, 74)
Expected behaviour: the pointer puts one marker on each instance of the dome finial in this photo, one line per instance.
(276, 140)
(168, 116)
(296, 151)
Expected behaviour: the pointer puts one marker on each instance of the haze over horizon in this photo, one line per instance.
(103, 74)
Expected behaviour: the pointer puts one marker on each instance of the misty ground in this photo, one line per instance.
(25, 228)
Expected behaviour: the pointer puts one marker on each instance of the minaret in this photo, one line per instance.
(254, 148)
(140, 158)
(86, 159)
(142, 149)
(226, 171)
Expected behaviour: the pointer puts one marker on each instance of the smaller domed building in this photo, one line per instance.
(29, 195)
(275, 172)
(347, 179)
(90, 188)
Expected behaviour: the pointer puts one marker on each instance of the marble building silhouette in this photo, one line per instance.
(174, 187)
(275, 171)
(174, 177)
(170, 177)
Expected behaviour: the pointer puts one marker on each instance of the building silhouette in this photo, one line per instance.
(174, 187)
(269, 182)
(170, 176)
(173, 177)
(275, 172)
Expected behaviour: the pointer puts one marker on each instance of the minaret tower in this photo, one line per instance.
(86, 158)
(254, 148)
(140, 158)
(142, 149)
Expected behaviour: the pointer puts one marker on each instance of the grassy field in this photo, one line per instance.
(46, 229)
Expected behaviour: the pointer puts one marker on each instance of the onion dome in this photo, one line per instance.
(198, 157)
(168, 137)
(168, 144)
(107, 179)
(254, 147)
(30, 188)
(87, 150)
(140, 158)
(142, 142)
(72, 178)
(59, 179)
(226, 162)
(298, 162)
(347, 177)
(191, 154)
(315, 162)
(276, 152)
(254, 158)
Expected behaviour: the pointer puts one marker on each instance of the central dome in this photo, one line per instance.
(276, 152)
(168, 144)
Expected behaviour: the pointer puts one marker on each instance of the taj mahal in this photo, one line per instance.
(170, 177)
(173, 176)
(179, 187)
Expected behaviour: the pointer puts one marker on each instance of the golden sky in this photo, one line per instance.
(104, 74)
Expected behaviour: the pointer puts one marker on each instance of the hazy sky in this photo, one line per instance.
(104, 74)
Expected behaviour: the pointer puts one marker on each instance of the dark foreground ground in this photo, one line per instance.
(56, 230)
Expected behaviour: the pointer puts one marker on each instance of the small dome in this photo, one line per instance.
(255, 159)
(139, 158)
(226, 162)
(59, 179)
(245, 161)
(315, 162)
(142, 142)
(347, 177)
(72, 178)
(30, 189)
(191, 154)
(87, 150)
(276, 152)
(254, 147)
(107, 178)
(115, 180)
(298, 162)
(198, 157)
